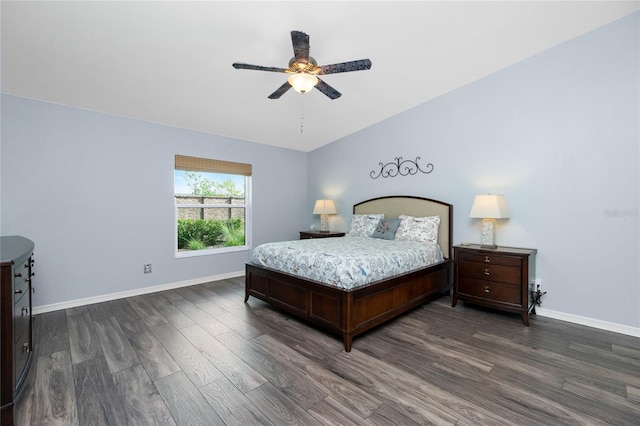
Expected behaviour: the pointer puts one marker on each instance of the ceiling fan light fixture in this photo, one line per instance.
(302, 82)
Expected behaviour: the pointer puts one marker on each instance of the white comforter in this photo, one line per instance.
(346, 262)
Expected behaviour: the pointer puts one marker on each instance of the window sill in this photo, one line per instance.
(223, 250)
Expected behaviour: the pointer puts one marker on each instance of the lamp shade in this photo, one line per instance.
(325, 207)
(489, 206)
(302, 82)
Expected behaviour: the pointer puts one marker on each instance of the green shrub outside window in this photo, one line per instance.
(200, 234)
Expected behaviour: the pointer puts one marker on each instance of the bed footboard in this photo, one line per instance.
(347, 313)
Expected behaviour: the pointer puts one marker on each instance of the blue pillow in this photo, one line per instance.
(386, 229)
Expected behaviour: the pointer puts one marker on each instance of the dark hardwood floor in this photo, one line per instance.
(200, 356)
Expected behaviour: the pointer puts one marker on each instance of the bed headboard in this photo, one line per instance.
(394, 206)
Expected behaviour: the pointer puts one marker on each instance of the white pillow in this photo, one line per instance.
(424, 229)
(363, 225)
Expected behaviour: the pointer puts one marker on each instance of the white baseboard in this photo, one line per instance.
(577, 319)
(137, 292)
(590, 322)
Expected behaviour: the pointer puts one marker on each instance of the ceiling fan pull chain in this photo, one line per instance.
(302, 115)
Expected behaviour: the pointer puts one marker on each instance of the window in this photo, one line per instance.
(212, 204)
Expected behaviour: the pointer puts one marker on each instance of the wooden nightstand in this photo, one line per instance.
(495, 278)
(307, 235)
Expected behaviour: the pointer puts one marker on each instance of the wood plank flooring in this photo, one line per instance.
(200, 356)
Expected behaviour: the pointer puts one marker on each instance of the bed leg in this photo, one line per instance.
(347, 343)
(246, 296)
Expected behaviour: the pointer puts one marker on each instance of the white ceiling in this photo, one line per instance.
(170, 62)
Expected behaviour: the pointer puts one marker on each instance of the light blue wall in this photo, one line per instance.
(94, 192)
(558, 135)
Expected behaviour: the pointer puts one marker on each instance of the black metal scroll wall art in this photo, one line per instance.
(400, 167)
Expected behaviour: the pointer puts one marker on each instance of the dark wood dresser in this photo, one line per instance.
(16, 255)
(497, 278)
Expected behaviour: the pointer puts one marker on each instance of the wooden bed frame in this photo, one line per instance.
(348, 313)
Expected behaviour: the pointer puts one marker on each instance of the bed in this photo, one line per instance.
(348, 312)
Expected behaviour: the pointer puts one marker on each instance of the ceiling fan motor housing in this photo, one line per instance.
(298, 65)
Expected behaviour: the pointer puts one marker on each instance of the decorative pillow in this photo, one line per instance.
(386, 229)
(363, 225)
(423, 229)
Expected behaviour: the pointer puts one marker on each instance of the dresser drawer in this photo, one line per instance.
(489, 290)
(490, 259)
(21, 352)
(490, 272)
(21, 317)
(20, 288)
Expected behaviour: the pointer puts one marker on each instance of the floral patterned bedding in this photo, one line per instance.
(346, 262)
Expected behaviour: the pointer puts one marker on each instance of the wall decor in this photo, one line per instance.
(400, 167)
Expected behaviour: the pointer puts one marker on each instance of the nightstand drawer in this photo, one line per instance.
(490, 272)
(488, 290)
(490, 259)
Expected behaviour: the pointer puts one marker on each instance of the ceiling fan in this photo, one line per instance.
(304, 69)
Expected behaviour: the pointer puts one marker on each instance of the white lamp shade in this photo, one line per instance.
(325, 207)
(489, 206)
(302, 82)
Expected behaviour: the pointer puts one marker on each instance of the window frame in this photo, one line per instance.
(247, 215)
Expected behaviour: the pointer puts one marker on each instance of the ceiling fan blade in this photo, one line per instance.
(359, 65)
(328, 90)
(241, 66)
(300, 43)
(280, 91)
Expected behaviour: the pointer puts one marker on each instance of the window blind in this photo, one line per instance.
(197, 164)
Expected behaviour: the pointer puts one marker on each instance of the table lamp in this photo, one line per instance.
(489, 208)
(324, 208)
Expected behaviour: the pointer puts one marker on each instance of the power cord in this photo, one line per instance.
(537, 299)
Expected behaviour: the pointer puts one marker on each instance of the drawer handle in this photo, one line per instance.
(17, 274)
(486, 289)
(486, 272)
(25, 347)
(487, 259)
(18, 291)
(25, 310)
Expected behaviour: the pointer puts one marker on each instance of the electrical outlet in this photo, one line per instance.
(537, 284)
(147, 268)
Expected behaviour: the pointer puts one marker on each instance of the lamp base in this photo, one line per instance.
(324, 223)
(488, 236)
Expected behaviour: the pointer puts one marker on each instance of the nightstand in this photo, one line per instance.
(307, 235)
(497, 278)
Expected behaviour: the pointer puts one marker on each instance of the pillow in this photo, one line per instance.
(424, 229)
(363, 225)
(386, 229)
